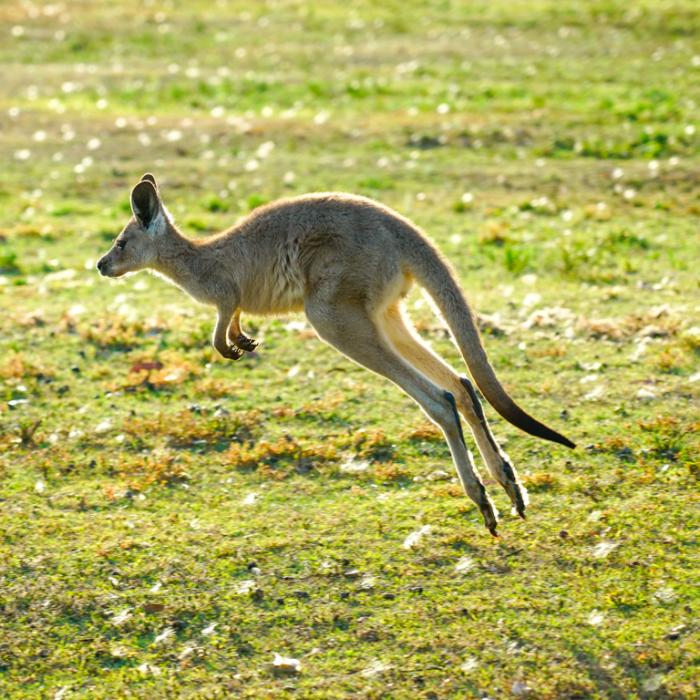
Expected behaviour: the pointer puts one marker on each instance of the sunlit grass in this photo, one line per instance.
(171, 521)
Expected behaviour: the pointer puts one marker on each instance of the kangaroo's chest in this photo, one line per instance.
(276, 285)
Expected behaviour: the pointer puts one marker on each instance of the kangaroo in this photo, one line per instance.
(347, 262)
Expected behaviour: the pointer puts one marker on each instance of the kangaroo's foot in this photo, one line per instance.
(246, 343)
(515, 490)
(496, 459)
(471, 482)
(488, 512)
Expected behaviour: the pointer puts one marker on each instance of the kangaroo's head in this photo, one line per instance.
(137, 246)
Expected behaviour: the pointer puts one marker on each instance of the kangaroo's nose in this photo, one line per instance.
(100, 264)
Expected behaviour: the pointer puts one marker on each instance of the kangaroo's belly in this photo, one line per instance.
(272, 305)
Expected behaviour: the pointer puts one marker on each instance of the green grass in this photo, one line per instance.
(169, 521)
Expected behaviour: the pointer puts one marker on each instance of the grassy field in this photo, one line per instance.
(170, 521)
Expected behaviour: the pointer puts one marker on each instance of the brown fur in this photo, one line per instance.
(346, 261)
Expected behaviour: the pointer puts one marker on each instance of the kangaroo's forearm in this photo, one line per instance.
(220, 338)
(234, 328)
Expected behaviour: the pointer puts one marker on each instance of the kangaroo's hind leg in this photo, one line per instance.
(352, 330)
(407, 343)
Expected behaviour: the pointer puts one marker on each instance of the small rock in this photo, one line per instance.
(285, 665)
(653, 332)
(520, 688)
(121, 617)
(438, 475)
(595, 618)
(376, 668)
(164, 636)
(354, 466)
(676, 631)
(367, 582)
(465, 564)
(415, 537)
(665, 595)
(653, 683)
(469, 664)
(103, 426)
(646, 394)
(243, 587)
(602, 549)
(148, 669)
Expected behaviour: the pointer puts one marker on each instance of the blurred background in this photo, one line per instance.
(240, 102)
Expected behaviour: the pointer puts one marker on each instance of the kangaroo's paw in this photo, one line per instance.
(246, 343)
(232, 353)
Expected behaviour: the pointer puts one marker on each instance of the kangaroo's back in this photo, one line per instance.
(325, 239)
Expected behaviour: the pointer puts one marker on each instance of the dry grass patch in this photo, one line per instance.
(540, 481)
(426, 432)
(160, 468)
(391, 471)
(281, 458)
(372, 444)
(187, 429)
(16, 366)
(656, 323)
(113, 333)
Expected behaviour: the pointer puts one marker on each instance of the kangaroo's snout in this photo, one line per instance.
(102, 264)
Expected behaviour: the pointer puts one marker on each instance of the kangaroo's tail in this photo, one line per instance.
(433, 273)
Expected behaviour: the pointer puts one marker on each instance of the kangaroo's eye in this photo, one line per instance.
(121, 244)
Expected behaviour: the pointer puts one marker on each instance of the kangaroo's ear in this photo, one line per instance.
(150, 178)
(145, 202)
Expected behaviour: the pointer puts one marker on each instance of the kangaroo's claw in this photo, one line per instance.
(246, 343)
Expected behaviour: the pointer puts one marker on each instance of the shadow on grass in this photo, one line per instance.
(637, 675)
